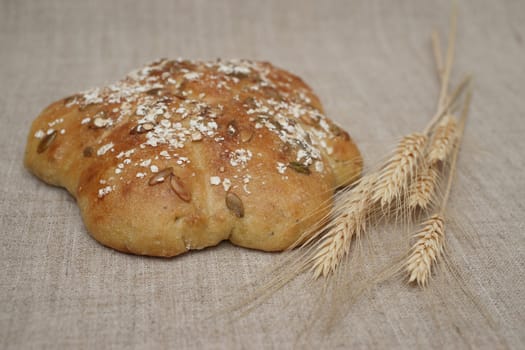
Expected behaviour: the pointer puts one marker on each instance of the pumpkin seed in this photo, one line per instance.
(232, 128)
(277, 125)
(307, 120)
(142, 128)
(307, 138)
(180, 96)
(154, 91)
(178, 187)
(299, 167)
(161, 176)
(234, 203)
(246, 135)
(46, 141)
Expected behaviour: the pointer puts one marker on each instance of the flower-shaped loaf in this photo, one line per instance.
(182, 155)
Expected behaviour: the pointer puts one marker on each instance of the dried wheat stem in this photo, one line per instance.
(458, 137)
(438, 57)
(452, 100)
(422, 189)
(444, 71)
(399, 170)
(449, 60)
(427, 250)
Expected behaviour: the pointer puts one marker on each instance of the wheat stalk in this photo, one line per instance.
(400, 169)
(428, 248)
(422, 190)
(430, 240)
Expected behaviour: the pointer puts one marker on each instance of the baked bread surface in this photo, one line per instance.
(182, 155)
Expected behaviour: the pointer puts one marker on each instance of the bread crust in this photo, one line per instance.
(182, 155)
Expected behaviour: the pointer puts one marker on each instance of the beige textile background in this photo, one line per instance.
(370, 63)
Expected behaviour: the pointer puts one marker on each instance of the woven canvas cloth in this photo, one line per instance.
(371, 64)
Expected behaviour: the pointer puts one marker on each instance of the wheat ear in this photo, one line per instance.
(430, 240)
(427, 250)
(349, 221)
(422, 191)
(334, 246)
(400, 169)
(443, 140)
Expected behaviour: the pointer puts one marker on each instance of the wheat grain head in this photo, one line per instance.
(334, 246)
(422, 191)
(400, 169)
(349, 220)
(427, 250)
(443, 140)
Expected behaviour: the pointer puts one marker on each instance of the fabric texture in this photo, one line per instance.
(371, 64)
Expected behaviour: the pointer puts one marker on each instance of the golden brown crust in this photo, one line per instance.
(181, 155)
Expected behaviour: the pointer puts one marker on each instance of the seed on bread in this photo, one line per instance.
(154, 91)
(307, 120)
(46, 141)
(299, 167)
(161, 176)
(232, 128)
(245, 135)
(177, 185)
(234, 203)
(142, 128)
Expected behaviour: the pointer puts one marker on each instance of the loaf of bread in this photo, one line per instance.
(182, 155)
